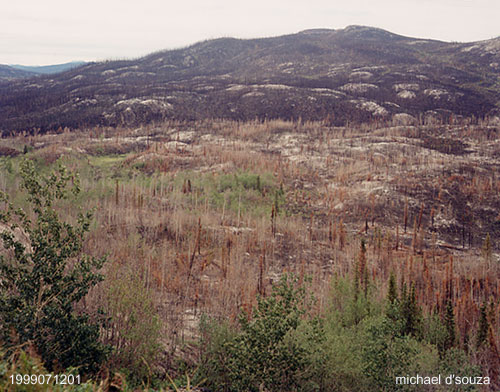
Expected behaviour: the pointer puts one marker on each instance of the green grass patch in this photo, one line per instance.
(243, 192)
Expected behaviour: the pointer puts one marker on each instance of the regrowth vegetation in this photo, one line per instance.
(269, 255)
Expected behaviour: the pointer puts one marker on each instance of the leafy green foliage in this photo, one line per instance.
(266, 353)
(45, 275)
(386, 355)
(347, 307)
(434, 331)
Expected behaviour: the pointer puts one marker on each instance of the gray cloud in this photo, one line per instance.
(34, 32)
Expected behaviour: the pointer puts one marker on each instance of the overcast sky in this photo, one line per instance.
(34, 32)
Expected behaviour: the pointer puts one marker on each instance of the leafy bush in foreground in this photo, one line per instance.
(266, 353)
(46, 274)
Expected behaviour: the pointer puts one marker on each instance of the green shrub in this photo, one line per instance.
(347, 306)
(267, 352)
(387, 355)
(45, 274)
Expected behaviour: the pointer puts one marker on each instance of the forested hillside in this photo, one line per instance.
(352, 75)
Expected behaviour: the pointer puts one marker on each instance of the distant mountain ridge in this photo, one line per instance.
(354, 74)
(16, 71)
(7, 73)
(48, 69)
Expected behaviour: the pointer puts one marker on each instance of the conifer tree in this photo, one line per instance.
(392, 293)
(392, 307)
(361, 273)
(449, 323)
(411, 313)
(482, 331)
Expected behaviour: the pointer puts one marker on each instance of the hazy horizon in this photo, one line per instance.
(54, 32)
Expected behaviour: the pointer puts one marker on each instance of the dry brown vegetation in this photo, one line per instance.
(210, 214)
